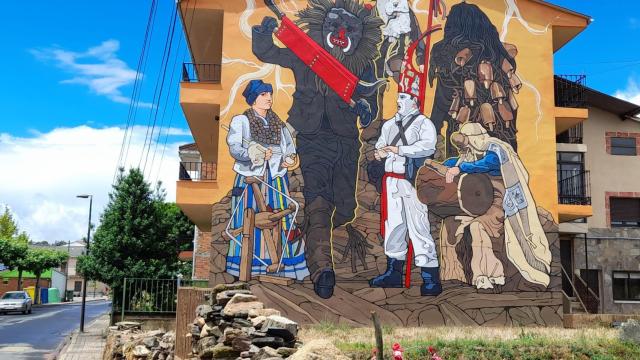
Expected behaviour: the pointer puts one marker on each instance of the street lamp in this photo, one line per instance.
(84, 280)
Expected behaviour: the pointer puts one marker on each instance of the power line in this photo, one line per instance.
(137, 83)
(158, 94)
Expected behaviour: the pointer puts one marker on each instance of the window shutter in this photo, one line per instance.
(624, 209)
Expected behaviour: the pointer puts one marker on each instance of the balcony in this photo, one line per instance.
(201, 73)
(571, 136)
(574, 195)
(570, 101)
(196, 191)
(197, 171)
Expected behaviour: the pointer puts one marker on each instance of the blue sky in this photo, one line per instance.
(68, 70)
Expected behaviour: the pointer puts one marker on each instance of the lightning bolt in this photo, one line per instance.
(512, 11)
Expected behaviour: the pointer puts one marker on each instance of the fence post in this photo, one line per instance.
(124, 291)
(378, 332)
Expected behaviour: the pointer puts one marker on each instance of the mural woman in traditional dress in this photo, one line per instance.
(263, 148)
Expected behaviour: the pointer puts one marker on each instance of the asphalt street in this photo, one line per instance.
(38, 334)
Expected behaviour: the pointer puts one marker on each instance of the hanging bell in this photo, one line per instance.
(497, 92)
(515, 83)
(487, 116)
(455, 105)
(507, 68)
(463, 115)
(485, 73)
(463, 56)
(504, 109)
(470, 91)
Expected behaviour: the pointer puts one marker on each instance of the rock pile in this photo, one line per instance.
(630, 331)
(126, 340)
(235, 325)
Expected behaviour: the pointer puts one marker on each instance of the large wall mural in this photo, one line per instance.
(373, 171)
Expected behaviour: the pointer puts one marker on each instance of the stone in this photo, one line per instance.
(205, 343)
(223, 298)
(242, 298)
(241, 343)
(194, 330)
(258, 321)
(219, 351)
(199, 321)
(318, 349)
(128, 325)
(230, 334)
(224, 287)
(141, 351)
(203, 311)
(263, 312)
(630, 331)
(271, 341)
(214, 331)
(241, 309)
(241, 323)
(150, 342)
(285, 352)
(266, 353)
(205, 331)
(280, 326)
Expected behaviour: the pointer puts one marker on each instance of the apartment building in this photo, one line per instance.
(225, 56)
(598, 165)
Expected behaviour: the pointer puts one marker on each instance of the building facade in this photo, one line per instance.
(600, 159)
(297, 184)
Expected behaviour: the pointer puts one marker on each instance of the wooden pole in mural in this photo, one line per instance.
(423, 100)
(378, 332)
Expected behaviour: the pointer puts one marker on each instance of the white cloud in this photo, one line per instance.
(98, 68)
(631, 93)
(41, 176)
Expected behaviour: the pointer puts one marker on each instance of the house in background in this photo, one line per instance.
(74, 280)
(598, 172)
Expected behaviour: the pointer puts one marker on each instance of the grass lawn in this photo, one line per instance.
(482, 343)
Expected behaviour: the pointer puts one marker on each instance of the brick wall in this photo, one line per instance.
(201, 255)
(610, 134)
(11, 284)
(621, 194)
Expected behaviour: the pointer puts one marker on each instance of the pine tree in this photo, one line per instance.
(132, 240)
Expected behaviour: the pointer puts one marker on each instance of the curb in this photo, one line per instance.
(68, 303)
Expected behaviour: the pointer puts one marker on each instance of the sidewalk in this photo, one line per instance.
(88, 345)
(76, 300)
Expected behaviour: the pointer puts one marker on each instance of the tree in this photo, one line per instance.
(13, 244)
(39, 260)
(133, 237)
(180, 227)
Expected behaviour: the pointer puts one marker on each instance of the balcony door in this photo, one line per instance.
(571, 177)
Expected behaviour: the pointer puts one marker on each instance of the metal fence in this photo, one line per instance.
(197, 171)
(574, 187)
(152, 296)
(570, 91)
(204, 73)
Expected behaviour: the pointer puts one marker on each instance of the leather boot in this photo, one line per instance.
(392, 278)
(318, 246)
(430, 281)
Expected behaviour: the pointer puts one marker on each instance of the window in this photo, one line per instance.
(626, 285)
(623, 146)
(624, 212)
(5, 281)
(77, 286)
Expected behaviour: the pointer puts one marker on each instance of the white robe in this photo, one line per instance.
(406, 215)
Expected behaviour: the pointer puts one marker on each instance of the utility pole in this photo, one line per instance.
(84, 280)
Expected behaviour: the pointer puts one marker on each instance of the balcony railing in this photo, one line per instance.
(574, 187)
(197, 171)
(570, 91)
(571, 136)
(203, 73)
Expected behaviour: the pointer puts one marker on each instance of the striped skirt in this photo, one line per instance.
(293, 258)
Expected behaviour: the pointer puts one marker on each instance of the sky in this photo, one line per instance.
(69, 69)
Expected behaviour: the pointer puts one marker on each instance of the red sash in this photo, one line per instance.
(383, 219)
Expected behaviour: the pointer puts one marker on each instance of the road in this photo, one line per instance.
(33, 336)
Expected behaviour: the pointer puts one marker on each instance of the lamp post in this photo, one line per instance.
(84, 280)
